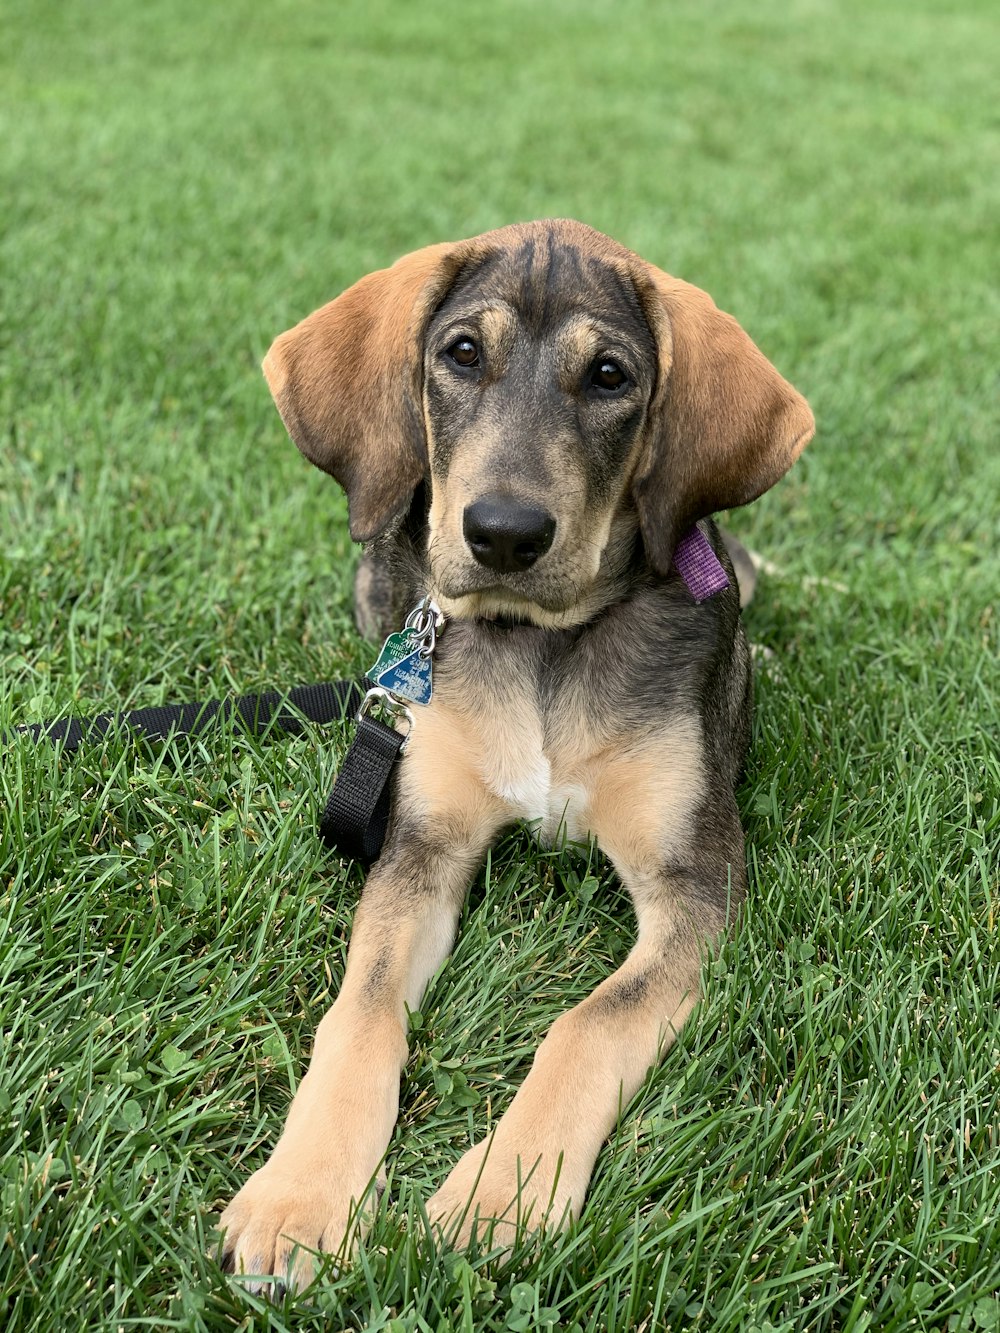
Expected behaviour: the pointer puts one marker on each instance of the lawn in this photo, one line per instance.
(179, 182)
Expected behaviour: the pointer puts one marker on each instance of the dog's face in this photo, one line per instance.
(554, 392)
(538, 370)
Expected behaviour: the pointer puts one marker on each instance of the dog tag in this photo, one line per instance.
(402, 669)
(404, 643)
(410, 678)
(404, 666)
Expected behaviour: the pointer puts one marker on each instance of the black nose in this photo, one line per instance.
(505, 535)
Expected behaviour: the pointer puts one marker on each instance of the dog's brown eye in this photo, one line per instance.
(464, 352)
(607, 375)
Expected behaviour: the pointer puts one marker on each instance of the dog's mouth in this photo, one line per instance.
(499, 604)
(550, 603)
(551, 594)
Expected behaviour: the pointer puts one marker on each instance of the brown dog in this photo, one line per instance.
(527, 425)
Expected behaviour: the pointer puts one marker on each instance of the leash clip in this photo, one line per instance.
(356, 816)
(378, 698)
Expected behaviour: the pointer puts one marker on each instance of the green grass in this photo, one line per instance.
(179, 182)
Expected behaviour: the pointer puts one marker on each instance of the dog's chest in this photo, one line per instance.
(533, 731)
(537, 771)
(523, 775)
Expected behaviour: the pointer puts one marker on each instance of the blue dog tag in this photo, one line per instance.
(410, 678)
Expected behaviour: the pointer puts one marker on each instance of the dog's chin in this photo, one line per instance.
(496, 605)
(547, 611)
(558, 593)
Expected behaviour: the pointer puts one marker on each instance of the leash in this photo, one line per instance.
(255, 714)
(356, 815)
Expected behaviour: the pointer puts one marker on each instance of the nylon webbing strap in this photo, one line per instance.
(357, 814)
(255, 714)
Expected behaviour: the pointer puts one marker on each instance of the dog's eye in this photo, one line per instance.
(607, 375)
(464, 352)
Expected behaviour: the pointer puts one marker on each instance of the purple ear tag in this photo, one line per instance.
(699, 566)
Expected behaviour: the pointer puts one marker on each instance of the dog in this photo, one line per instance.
(529, 425)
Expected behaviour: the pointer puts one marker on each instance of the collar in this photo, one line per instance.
(699, 566)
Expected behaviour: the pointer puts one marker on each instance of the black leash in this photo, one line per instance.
(254, 714)
(356, 815)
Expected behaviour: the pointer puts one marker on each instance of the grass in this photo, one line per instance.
(821, 1150)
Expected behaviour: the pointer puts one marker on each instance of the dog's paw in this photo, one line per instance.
(282, 1215)
(495, 1190)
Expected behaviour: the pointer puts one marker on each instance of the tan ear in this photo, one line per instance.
(347, 382)
(723, 424)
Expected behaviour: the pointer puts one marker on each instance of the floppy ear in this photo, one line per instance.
(347, 382)
(723, 424)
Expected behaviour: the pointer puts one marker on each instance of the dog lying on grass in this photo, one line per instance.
(533, 427)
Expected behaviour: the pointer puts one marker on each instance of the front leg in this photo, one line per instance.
(535, 1167)
(312, 1190)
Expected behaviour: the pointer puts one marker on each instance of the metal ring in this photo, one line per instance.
(425, 617)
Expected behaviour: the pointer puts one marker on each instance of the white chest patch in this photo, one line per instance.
(522, 776)
(527, 789)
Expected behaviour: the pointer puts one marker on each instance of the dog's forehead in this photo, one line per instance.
(546, 277)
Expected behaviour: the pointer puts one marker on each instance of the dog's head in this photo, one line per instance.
(553, 389)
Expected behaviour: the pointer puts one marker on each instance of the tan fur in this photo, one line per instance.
(449, 500)
(643, 798)
(725, 425)
(444, 778)
(500, 327)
